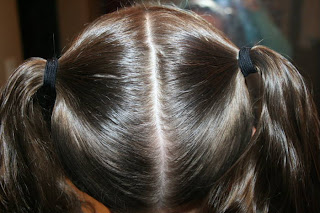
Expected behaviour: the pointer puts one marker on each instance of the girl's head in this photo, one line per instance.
(153, 115)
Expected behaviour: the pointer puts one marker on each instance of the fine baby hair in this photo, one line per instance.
(150, 112)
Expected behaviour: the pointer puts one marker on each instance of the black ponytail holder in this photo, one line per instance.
(46, 94)
(245, 63)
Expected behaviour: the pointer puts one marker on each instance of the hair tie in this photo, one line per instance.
(46, 94)
(245, 62)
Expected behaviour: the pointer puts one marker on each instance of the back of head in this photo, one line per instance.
(153, 115)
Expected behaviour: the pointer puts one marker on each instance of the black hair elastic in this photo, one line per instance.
(46, 94)
(245, 62)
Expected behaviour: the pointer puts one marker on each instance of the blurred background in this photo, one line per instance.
(38, 28)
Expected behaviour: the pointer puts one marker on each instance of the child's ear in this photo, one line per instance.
(253, 131)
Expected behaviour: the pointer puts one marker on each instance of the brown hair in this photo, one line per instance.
(153, 115)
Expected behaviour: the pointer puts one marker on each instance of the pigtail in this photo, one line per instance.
(31, 180)
(279, 171)
(286, 146)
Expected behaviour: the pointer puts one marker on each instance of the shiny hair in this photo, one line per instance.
(153, 115)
